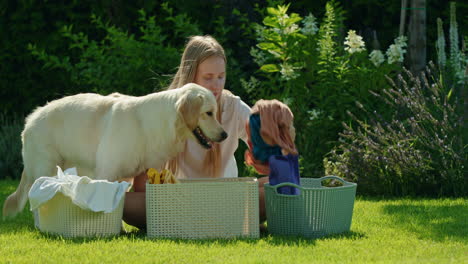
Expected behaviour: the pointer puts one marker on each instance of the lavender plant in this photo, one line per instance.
(419, 150)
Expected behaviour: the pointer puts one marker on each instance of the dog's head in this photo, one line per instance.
(198, 108)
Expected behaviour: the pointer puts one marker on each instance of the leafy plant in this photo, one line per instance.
(128, 63)
(316, 73)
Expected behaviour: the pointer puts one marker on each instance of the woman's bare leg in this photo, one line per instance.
(135, 209)
(135, 203)
(261, 197)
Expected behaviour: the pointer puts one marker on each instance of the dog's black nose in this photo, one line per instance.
(224, 135)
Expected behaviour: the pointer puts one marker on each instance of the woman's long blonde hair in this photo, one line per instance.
(198, 49)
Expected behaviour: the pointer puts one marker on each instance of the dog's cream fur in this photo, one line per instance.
(111, 137)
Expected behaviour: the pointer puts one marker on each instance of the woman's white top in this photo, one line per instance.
(233, 119)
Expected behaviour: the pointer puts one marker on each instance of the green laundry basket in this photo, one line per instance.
(317, 211)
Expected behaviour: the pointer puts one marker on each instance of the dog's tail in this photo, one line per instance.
(16, 201)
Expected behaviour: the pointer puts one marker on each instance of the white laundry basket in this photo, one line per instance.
(203, 208)
(60, 216)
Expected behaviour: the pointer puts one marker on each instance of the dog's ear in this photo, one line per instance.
(189, 106)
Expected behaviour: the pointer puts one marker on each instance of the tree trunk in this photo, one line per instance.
(404, 4)
(417, 37)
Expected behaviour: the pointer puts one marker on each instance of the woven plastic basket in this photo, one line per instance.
(203, 208)
(317, 211)
(60, 216)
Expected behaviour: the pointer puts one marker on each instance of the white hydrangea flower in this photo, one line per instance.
(288, 72)
(282, 20)
(354, 42)
(291, 29)
(376, 57)
(401, 41)
(283, 30)
(310, 25)
(395, 52)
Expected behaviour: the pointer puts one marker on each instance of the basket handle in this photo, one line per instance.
(332, 177)
(286, 184)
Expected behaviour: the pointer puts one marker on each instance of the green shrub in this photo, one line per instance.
(418, 151)
(11, 163)
(121, 62)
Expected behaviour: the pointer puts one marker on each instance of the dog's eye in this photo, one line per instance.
(209, 113)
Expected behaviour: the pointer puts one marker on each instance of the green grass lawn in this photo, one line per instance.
(382, 231)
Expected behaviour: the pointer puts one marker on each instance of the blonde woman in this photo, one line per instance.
(203, 62)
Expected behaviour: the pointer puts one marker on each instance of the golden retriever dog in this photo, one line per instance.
(113, 137)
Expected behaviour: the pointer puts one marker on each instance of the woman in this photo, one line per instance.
(203, 62)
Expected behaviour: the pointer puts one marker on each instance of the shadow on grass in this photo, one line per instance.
(278, 240)
(264, 238)
(435, 222)
(24, 223)
(141, 236)
(20, 223)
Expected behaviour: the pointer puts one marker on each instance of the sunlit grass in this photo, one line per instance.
(383, 231)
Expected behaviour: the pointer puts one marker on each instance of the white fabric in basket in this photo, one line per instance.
(88, 194)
